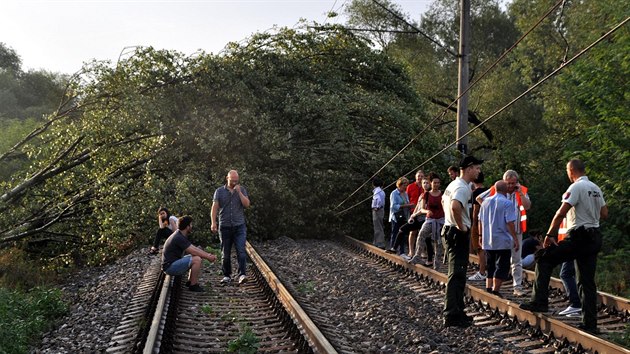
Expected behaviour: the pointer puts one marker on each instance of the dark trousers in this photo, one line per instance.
(403, 234)
(457, 246)
(581, 245)
(161, 234)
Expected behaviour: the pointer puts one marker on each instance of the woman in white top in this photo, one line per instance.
(167, 225)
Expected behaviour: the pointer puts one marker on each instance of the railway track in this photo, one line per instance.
(258, 315)
(263, 309)
(613, 313)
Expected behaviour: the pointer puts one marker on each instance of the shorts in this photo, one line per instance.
(180, 266)
(498, 263)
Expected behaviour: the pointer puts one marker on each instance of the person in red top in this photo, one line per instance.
(414, 191)
(431, 205)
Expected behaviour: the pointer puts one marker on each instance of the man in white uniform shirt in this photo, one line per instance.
(583, 205)
(456, 234)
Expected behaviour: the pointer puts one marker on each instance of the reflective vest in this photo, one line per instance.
(521, 209)
(562, 231)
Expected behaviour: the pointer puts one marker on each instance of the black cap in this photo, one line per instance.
(469, 161)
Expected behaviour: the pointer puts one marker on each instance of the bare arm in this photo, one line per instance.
(603, 213)
(196, 251)
(243, 197)
(417, 210)
(457, 209)
(555, 224)
(213, 216)
(527, 203)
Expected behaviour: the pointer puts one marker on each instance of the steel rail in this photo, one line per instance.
(610, 300)
(313, 335)
(545, 323)
(160, 311)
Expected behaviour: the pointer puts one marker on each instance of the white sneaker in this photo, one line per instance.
(477, 277)
(226, 280)
(242, 279)
(570, 311)
(519, 292)
(405, 257)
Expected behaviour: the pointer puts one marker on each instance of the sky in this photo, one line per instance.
(60, 35)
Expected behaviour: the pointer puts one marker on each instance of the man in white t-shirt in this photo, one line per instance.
(456, 234)
(583, 205)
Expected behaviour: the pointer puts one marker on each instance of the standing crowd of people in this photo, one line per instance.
(491, 222)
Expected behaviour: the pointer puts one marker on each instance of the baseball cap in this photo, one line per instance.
(469, 161)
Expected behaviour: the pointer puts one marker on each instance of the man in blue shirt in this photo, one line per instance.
(228, 203)
(498, 234)
(378, 212)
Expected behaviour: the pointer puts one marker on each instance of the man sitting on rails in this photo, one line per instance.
(172, 261)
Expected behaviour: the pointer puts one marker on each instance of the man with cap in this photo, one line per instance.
(456, 234)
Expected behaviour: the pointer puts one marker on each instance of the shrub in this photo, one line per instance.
(25, 315)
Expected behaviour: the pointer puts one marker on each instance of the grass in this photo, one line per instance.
(246, 343)
(25, 315)
(306, 288)
(622, 339)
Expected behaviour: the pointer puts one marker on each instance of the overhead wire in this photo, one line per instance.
(445, 110)
(541, 81)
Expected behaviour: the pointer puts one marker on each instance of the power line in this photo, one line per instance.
(541, 81)
(445, 110)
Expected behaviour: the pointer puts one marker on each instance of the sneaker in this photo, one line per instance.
(534, 307)
(477, 277)
(242, 279)
(496, 293)
(519, 292)
(196, 288)
(391, 250)
(226, 280)
(570, 311)
(405, 257)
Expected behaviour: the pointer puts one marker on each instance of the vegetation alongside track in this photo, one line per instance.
(24, 315)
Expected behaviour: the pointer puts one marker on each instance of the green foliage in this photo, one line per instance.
(246, 343)
(622, 338)
(295, 112)
(207, 309)
(25, 315)
(306, 288)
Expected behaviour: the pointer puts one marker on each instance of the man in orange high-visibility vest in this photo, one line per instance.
(517, 194)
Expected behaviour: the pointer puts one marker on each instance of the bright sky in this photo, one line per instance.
(59, 35)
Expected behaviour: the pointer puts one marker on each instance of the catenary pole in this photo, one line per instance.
(462, 84)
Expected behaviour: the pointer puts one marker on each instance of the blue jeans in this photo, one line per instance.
(233, 235)
(567, 275)
(180, 266)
